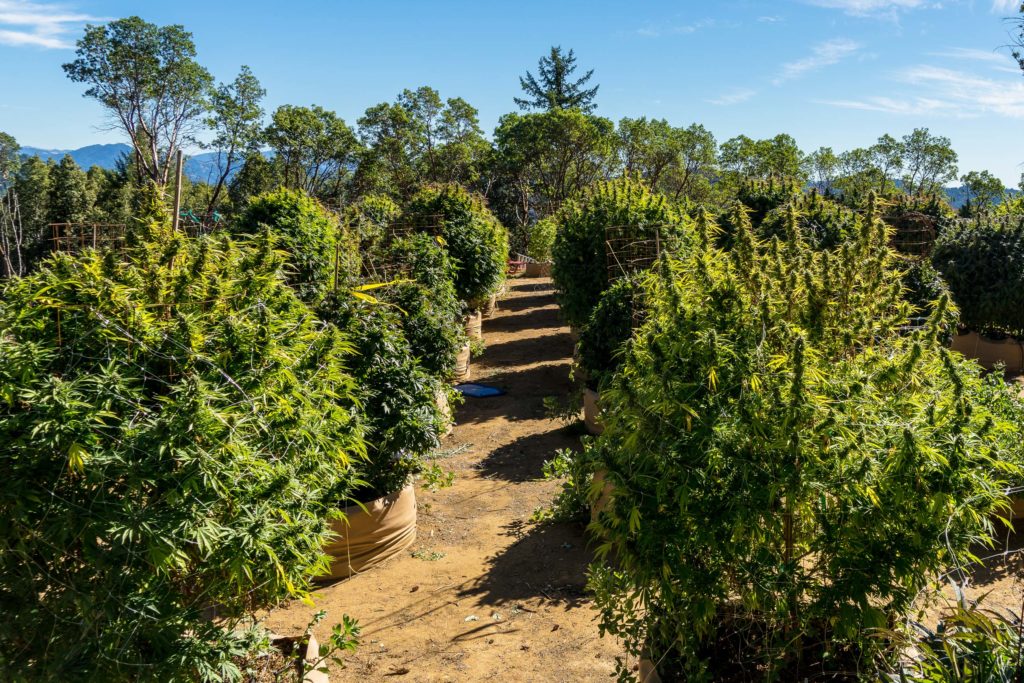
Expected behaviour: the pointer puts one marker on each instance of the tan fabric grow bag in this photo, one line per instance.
(490, 307)
(368, 537)
(445, 408)
(591, 411)
(474, 326)
(310, 655)
(989, 352)
(538, 269)
(462, 362)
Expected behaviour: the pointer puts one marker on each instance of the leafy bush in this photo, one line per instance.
(983, 262)
(307, 231)
(761, 197)
(431, 313)
(580, 255)
(971, 644)
(789, 467)
(369, 219)
(177, 429)
(398, 398)
(610, 326)
(476, 242)
(542, 239)
(823, 223)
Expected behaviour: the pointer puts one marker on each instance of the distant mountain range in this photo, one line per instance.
(203, 167)
(199, 167)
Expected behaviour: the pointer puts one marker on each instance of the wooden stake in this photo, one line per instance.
(177, 192)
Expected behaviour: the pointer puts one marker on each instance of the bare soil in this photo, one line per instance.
(484, 594)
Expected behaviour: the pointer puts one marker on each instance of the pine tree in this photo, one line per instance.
(553, 88)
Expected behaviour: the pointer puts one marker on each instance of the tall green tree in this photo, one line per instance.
(236, 118)
(542, 159)
(777, 157)
(420, 138)
(314, 148)
(983, 189)
(554, 88)
(678, 162)
(10, 158)
(928, 161)
(70, 199)
(147, 79)
(824, 166)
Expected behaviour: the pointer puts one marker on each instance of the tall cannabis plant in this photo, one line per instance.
(789, 465)
(176, 429)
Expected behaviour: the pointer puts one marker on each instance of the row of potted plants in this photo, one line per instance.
(188, 423)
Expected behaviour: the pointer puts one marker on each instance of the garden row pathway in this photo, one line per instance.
(484, 594)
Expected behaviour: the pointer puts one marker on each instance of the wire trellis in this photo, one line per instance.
(914, 234)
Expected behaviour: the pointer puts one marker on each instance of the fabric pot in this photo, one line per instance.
(368, 537)
(462, 363)
(648, 672)
(538, 269)
(310, 654)
(990, 352)
(591, 412)
(445, 408)
(474, 326)
(490, 307)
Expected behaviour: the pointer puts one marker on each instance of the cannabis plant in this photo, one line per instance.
(599, 234)
(430, 310)
(307, 232)
(475, 240)
(790, 465)
(983, 262)
(176, 430)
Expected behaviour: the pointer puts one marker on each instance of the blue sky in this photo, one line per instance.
(828, 72)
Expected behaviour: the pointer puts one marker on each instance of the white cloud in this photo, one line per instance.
(973, 54)
(879, 9)
(774, 19)
(737, 96)
(823, 54)
(1005, 6)
(45, 25)
(658, 30)
(947, 92)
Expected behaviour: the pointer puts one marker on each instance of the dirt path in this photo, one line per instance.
(484, 594)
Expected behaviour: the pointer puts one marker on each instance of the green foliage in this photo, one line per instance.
(398, 397)
(147, 78)
(575, 470)
(823, 223)
(476, 242)
(552, 87)
(542, 239)
(304, 229)
(972, 645)
(579, 254)
(543, 159)
(983, 262)
(314, 149)
(369, 219)
(789, 467)
(431, 313)
(923, 286)
(610, 326)
(177, 430)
